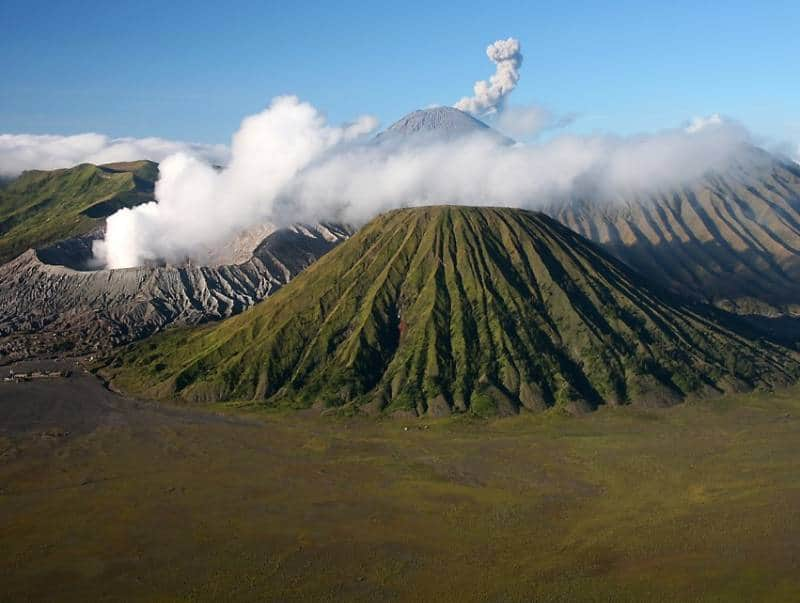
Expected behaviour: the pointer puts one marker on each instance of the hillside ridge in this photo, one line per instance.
(41, 207)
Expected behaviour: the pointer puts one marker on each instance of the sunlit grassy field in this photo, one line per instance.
(696, 502)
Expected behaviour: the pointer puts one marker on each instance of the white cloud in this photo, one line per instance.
(287, 164)
(357, 183)
(20, 152)
(199, 206)
(700, 123)
(525, 122)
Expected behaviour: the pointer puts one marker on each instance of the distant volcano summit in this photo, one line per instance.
(439, 123)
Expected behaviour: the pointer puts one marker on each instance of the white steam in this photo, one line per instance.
(287, 165)
(489, 97)
(199, 207)
(20, 152)
(357, 183)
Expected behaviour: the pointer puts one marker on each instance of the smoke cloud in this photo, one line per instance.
(287, 164)
(20, 152)
(355, 184)
(199, 207)
(489, 97)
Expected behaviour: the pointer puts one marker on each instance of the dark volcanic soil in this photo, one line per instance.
(60, 407)
(104, 498)
(78, 404)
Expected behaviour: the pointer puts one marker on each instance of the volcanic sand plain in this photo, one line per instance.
(102, 497)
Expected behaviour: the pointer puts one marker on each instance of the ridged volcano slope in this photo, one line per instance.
(437, 309)
(731, 238)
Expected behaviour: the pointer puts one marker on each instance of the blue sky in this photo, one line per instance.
(192, 70)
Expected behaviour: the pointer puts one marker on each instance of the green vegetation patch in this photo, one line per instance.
(41, 207)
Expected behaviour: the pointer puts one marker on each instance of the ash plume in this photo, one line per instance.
(489, 96)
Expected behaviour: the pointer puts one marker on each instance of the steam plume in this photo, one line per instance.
(198, 206)
(490, 96)
(287, 164)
